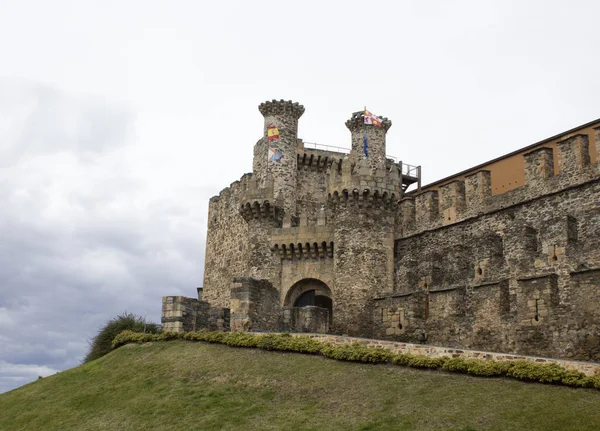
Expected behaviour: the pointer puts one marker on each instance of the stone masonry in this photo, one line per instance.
(331, 242)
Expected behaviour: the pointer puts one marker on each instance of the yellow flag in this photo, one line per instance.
(272, 133)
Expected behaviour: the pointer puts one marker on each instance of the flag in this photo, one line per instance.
(371, 118)
(272, 133)
(365, 146)
(275, 154)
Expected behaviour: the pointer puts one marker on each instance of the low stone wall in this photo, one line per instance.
(589, 368)
(182, 314)
(179, 313)
(254, 305)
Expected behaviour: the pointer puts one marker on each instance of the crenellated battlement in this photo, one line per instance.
(318, 160)
(281, 107)
(258, 202)
(303, 242)
(234, 189)
(470, 197)
(359, 184)
(356, 123)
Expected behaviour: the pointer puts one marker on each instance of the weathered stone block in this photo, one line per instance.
(478, 191)
(573, 154)
(452, 200)
(426, 208)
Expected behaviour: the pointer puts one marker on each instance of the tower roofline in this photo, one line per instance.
(527, 148)
(356, 122)
(281, 107)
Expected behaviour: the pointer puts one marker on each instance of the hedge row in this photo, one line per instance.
(522, 370)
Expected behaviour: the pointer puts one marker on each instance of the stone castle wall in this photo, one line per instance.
(505, 273)
(455, 266)
(227, 243)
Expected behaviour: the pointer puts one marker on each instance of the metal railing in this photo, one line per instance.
(409, 170)
(315, 146)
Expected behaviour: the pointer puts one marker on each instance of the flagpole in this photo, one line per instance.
(268, 146)
(365, 151)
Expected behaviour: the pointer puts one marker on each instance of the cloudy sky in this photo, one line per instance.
(120, 119)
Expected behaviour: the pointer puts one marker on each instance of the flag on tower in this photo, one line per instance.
(275, 154)
(371, 118)
(272, 133)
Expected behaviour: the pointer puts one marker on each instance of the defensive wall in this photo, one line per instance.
(516, 272)
(328, 241)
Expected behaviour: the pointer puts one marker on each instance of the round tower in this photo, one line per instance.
(375, 139)
(280, 133)
(363, 196)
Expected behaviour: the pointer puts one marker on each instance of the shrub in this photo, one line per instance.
(240, 339)
(459, 365)
(576, 378)
(418, 361)
(267, 342)
(127, 336)
(522, 370)
(593, 382)
(531, 371)
(102, 342)
(487, 368)
(357, 353)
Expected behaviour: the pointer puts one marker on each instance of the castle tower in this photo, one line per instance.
(363, 197)
(282, 115)
(375, 139)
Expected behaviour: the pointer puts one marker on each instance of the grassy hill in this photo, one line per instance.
(195, 386)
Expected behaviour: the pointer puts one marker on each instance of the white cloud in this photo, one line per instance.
(83, 238)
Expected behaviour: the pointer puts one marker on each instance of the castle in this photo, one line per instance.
(502, 257)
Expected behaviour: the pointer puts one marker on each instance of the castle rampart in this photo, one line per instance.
(511, 275)
(324, 240)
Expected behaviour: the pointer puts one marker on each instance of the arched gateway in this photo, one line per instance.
(310, 292)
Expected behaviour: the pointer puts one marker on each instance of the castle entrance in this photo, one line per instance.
(310, 292)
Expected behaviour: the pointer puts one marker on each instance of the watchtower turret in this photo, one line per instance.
(280, 133)
(375, 139)
(363, 196)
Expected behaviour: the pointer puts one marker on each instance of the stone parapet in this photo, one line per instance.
(427, 208)
(319, 160)
(525, 271)
(258, 202)
(303, 242)
(478, 191)
(281, 107)
(462, 200)
(573, 154)
(362, 186)
(452, 201)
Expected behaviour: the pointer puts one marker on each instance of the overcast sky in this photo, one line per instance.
(120, 119)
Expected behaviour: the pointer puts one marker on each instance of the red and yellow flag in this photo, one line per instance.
(371, 118)
(272, 133)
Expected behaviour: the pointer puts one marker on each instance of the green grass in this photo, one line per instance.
(196, 386)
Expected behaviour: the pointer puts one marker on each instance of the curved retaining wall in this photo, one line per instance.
(589, 368)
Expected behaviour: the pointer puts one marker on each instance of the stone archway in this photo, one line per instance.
(310, 292)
